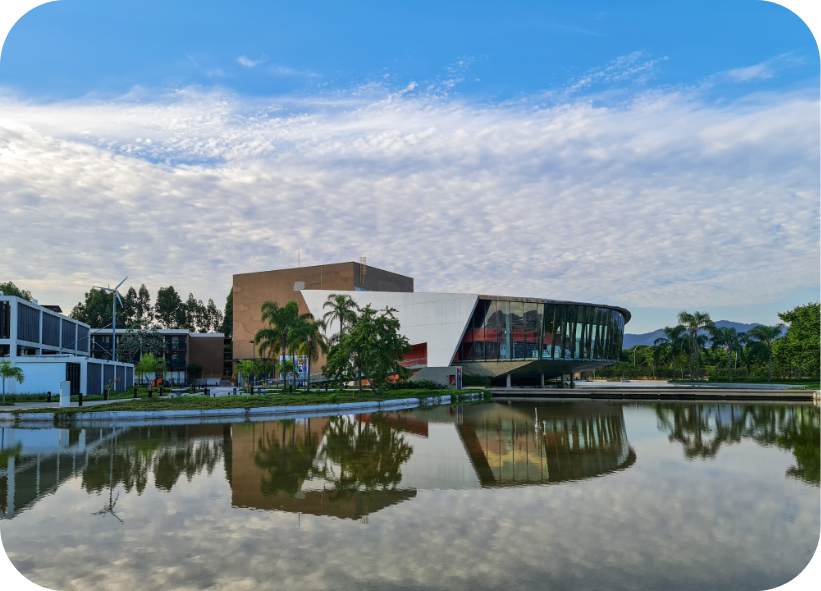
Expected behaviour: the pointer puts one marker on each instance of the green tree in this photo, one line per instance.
(672, 341)
(341, 309)
(765, 337)
(311, 339)
(695, 323)
(228, 317)
(194, 371)
(802, 343)
(10, 289)
(169, 311)
(137, 342)
(212, 318)
(374, 345)
(9, 372)
(149, 364)
(279, 334)
(246, 369)
(95, 310)
(730, 339)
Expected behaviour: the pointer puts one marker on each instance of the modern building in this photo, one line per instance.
(50, 348)
(183, 349)
(284, 285)
(502, 337)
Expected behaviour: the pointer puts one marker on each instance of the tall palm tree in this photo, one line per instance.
(342, 309)
(720, 339)
(765, 337)
(9, 372)
(311, 338)
(278, 335)
(672, 339)
(694, 323)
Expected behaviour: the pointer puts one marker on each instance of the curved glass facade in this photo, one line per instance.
(516, 330)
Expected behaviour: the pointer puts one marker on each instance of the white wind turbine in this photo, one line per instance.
(114, 301)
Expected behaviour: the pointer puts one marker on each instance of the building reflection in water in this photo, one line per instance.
(35, 462)
(350, 466)
(512, 445)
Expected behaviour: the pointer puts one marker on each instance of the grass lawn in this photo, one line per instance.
(208, 403)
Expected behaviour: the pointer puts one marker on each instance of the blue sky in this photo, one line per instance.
(658, 156)
(71, 48)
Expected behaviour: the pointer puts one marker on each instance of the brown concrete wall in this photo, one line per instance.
(206, 351)
(380, 280)
(283, 285)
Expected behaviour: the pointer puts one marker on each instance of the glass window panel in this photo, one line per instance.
(503, 319)
(569, 331)
(479, 351)
(578, 348)
(517, 330)
(581, 331)
(533, 327)
(549, 331)
(491, 325)
(561, 322)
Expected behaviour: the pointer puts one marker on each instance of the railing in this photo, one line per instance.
(414, 362)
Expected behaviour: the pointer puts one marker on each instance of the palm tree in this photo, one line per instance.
(312, 341)
(672, 339)
(279, 334)
(9, 372)
(343, 309)
(765, 336)
(246, 369)
(694, 323)
(727, 337)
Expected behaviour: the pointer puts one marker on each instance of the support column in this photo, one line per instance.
(509, 381)
(541, 377)
(572, 380)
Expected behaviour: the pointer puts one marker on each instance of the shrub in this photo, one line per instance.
(332, 398)
(480, 381)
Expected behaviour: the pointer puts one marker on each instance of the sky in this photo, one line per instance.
(656, 156)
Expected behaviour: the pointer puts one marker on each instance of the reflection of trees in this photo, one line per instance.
(363, 455)
(288, 459)
(702, 430)
(166, 451)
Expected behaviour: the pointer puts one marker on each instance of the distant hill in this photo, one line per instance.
(648, 338)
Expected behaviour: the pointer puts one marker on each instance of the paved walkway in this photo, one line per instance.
(56, 404)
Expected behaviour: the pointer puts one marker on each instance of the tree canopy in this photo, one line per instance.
(372, 348)
(10, 289)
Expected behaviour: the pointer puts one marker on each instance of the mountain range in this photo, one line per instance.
(648, 338)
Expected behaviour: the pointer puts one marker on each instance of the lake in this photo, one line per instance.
(519, 495)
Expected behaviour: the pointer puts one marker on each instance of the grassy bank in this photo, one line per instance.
(223, 402)
(796, 384)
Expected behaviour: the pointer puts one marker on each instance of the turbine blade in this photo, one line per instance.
(118, 299)
(121, 282)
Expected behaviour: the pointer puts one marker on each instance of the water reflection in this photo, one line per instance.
(351, 466)
(511, 445)
(703, 429)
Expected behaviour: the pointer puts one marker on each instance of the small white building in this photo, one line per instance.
(50, 348)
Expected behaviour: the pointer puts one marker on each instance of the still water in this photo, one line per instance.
(535, 495)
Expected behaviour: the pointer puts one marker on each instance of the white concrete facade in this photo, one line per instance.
(438, 319)
(48, 346)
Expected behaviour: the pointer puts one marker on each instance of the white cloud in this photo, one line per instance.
(760, 71)
(662, 201)
(249, 63)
